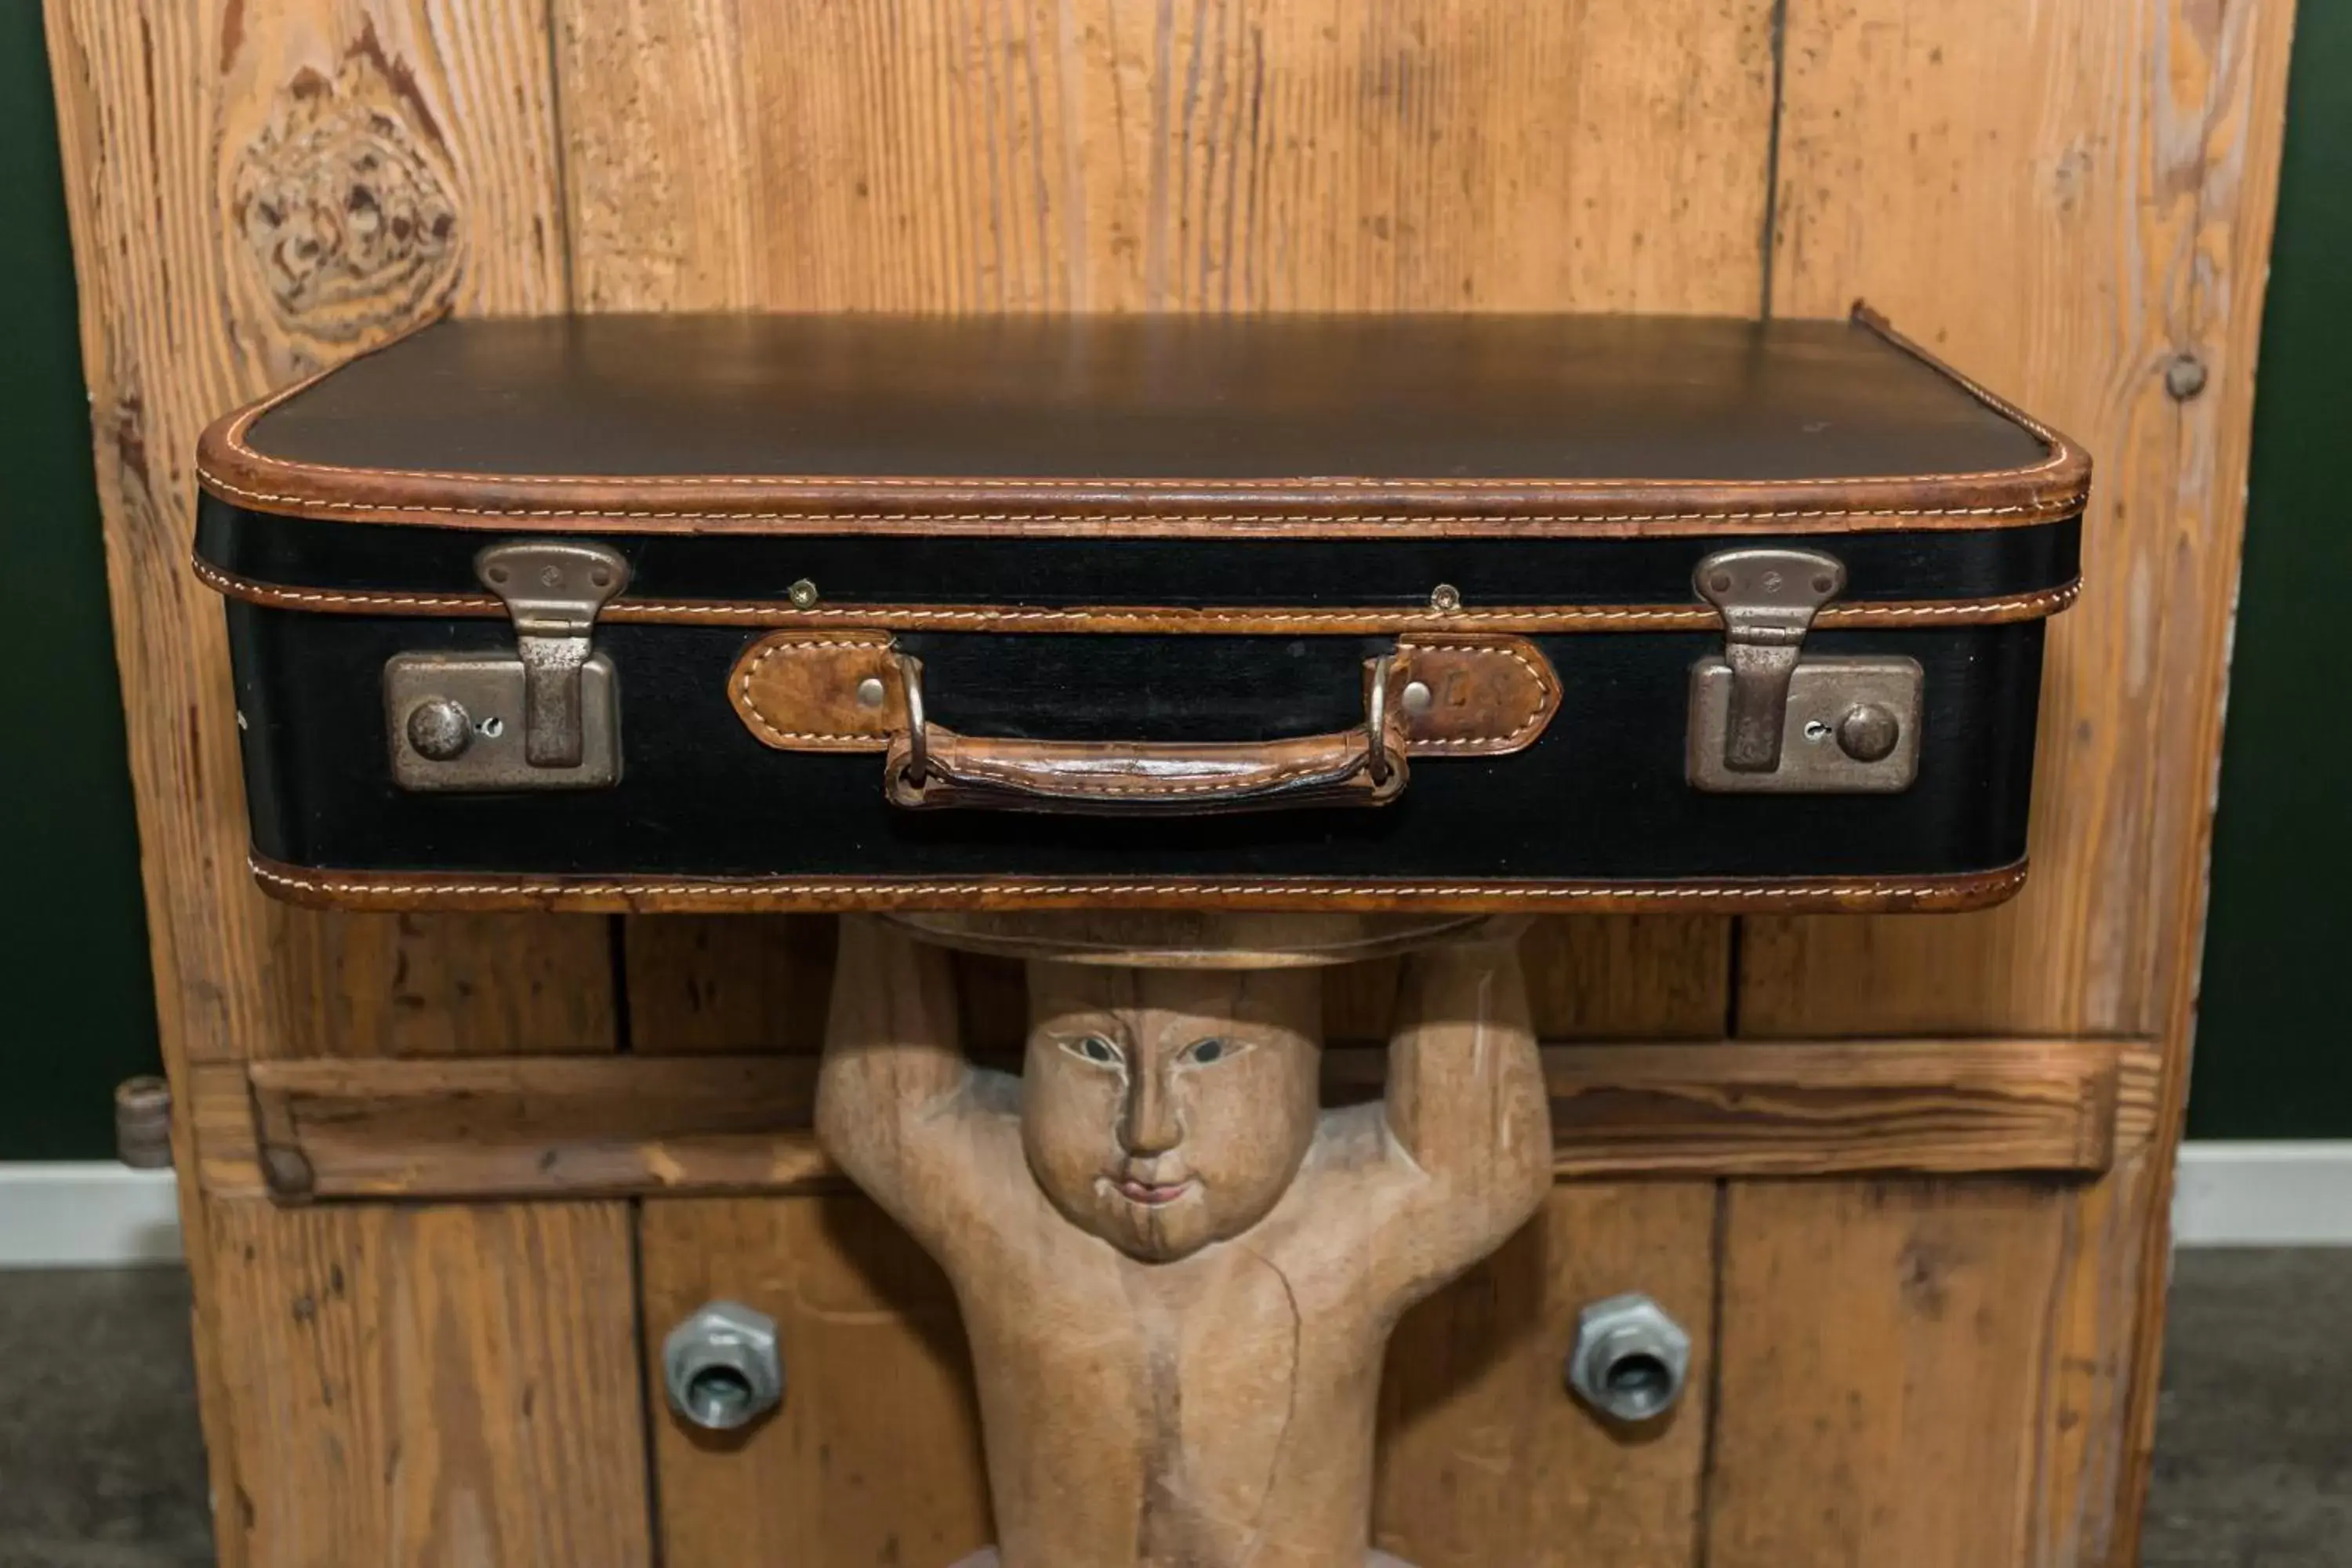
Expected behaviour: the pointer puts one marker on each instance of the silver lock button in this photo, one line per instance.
(440, 729)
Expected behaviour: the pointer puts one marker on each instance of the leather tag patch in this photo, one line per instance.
(801, 692)
(1488, 696)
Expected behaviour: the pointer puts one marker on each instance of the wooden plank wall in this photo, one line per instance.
(2062, 197)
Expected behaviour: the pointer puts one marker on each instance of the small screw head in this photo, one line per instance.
(871, 692)
(2184, 378)
(803, 593)
(1417, 697)
(439, 729)
(1868, 733)
(1445, 598)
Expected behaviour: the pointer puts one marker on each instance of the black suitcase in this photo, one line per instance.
(1479, 612)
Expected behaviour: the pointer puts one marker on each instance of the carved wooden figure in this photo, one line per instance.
(1177, 1271)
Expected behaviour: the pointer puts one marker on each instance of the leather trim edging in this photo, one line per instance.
(1369, 620)
(418, 890)
(2048, 490)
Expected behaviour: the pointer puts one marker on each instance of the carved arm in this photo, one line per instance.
(1466, 1102)
(894, 1102)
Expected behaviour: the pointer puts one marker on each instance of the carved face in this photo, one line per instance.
(1166, 1108)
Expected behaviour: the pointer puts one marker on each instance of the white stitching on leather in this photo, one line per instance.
(1535, 618)
(2053, 509)
(1056, 482)
(627, 887)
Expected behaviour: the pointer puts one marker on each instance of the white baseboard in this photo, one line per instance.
(86, 1214)
(2284, 1193)
(98, 1214)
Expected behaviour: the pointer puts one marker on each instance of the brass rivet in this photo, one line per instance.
(1417, 697)
(1445, 598)
(803, 593)
(871, 692)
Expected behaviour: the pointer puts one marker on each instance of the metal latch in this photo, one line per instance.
(544, 717)
(1763, 718)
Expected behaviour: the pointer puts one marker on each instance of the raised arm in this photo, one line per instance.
(1466, 1102)
(894, 1101)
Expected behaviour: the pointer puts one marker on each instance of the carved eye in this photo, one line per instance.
(1095, 1049)
(1200, 1053)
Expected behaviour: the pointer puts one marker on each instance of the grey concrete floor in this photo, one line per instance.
(100, 1465)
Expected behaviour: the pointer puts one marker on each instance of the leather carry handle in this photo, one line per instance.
(929, 767)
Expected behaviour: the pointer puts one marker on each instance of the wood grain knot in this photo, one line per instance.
(347, 226)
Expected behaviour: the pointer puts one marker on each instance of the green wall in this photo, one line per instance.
(2275, 1032)
(80, 1011)
(2274, 1051)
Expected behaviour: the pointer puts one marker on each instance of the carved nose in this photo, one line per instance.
(1149, 1126)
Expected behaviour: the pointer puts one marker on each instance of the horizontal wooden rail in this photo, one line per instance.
(522, 1127)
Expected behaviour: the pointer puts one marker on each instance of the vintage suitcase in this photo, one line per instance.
(744, 612)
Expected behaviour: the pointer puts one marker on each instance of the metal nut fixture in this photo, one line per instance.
(1630, 1360)
(721, 1368)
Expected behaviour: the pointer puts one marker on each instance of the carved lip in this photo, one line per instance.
(1152, 1194)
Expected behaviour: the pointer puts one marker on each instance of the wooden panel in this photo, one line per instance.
(2062, 205)
(546, 1127)
(1589, 978)
(2059, 204)
(1814, 1110)
(1637, 977)
(1883, 1353)
(444, 985)
(875, 1455)
(433, 1385)
(1485, 1457)
(729, 983)
(1933, 1372)
(541, 1127)
(1110, 154)
(257, 187)
(2082, 1513)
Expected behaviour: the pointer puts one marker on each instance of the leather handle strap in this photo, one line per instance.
(929, 767)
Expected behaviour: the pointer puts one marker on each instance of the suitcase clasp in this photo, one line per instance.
(452, 716)
(1763, 718)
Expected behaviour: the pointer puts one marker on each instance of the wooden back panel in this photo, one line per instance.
(2061, 197)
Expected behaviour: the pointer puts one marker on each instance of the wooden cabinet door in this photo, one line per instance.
(874, 1457)
(1486, 1458)
(1933, 1372)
